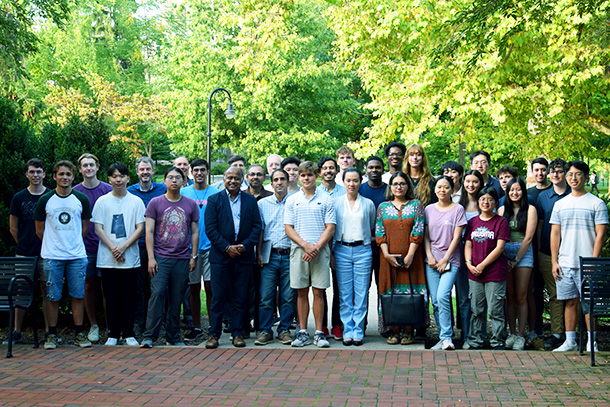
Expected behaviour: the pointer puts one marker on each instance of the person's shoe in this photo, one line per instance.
(195, 335)
(131, 341)
(498, 347)
(448, 344)
(407, 339)
(94, 334)
(146, 343)
(17, 339)
(519, 343)
(510, 340)
(82, 341)
(348, 342)
(178, 343)
(553, 342)
(111, 342)
(51, 341)
(594, 346)
(358, 342)
(301, 340)
(263, 339)
(337, 333)
(470, 346)
(239, 342)
(438, 346)
(284, 337)
(530, 336)
(567, 346)
(319, 339)
(212, 342)
(325, 330)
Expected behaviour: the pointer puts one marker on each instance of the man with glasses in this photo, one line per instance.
(395, 154)
(546, 201)
(480, 160)
(578, 226)
(255, 177)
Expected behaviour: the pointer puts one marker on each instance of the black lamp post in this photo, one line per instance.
(229, 113)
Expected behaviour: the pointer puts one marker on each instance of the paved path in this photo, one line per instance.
(102, 376)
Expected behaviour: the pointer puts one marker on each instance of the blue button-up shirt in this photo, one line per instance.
(337, 191)
(546, 202)
(272, 215)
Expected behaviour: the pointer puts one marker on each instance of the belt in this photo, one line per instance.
(352, 244)
(281, 252)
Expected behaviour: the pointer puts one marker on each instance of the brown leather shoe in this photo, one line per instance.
(212, 342)
(239, 342)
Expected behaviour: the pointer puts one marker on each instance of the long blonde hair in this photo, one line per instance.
(424, 192)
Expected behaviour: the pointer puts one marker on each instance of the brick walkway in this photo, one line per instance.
(286, 377)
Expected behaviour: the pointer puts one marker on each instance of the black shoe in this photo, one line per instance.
(348, 342)
(553, 342)
(498, 347)
(195, 335)
(358, 343)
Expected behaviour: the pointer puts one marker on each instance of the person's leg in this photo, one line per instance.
(433, 277)
(571, 314)
(557, 320)
(344, 274)
(478, 308)
(141, 304)
(129, 278)
(335, 316)
(268, 289)
(207, 286)
(303, 307)
(159, 285)
(462, 288)
(538, 298)
(195, 300)
(90, 288)
(522, 291)
(511, 301)
(54, 270)
(110, 278)
(443, 298)
(287, 295)
(178, 282)
(76, 272)
(362, 277)
(220, 281)
(495, 294)
(318, 307)
(241, 273)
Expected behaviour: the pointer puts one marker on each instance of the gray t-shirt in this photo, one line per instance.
(441, 225)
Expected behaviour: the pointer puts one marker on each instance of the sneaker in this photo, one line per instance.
(337, 333)
(519, 343)
(510, 341)
(51, 341)
(319, 339)
(466, 346)
(146, 343)
(111, 342)
(178, 343)
(438, 346)
(82, 341)
(17, 339)
(284, 337)
(594, 346)
(263, 339)
(325, 331)
(553, 342)
(568, 346)
(301, 340)
(131, 341)
(530, 336)
(448, 345)
(195, 335)
(94, 334)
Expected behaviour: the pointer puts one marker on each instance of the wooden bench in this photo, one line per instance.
(594, 296)
(17, 291)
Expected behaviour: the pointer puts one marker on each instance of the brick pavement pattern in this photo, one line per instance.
(122, 376)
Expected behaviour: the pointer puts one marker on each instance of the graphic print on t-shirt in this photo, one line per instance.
(118, 226)
(481, 234)
(173, 225)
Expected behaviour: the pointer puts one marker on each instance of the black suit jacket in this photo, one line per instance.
(221, 232)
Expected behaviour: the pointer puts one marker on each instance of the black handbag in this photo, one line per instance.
(403, 309)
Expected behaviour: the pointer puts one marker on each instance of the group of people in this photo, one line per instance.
(260, 249)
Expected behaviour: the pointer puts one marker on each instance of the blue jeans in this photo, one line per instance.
(462, 289)
(353, 269)
(440, 286)
(170, 281)
(276, 274)
(74, 270)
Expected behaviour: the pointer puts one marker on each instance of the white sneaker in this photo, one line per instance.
(438, 346)
(567, 346)
(94, 333)
(448, 345)
(519, 343)
(111, 342)
(510, 341)
(594, 346)
(131, 341)
(320, 341)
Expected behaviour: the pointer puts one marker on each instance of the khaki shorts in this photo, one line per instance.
(202, 269)
(314, 274)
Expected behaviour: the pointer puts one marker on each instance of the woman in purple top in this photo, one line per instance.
(445, 221)
(486, 236)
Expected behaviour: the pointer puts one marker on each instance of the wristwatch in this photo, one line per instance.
(194, 257)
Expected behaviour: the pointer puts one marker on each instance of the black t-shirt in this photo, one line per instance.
(534, 192)
(23, 205)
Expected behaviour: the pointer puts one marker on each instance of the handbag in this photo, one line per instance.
(400, 309)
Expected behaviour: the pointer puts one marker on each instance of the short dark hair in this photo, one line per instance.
(64, 163)
(324, 159)
(398, 144)
(238, 157)
(352, 170)
(453, 166)
(174, 168)
(198, 162)
(489, 190)
(557, 162)
(257, 165)
(448, 179)
(374, 158)
(290, 160)
(508, 169)
(539, 160)
(282, 171)
(480, 152)
(579, 165)
(118, 166)
(34, 162)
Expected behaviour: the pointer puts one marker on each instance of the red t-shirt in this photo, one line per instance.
(484, 235)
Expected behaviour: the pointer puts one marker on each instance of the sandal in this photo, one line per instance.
(407, 339)
(394, 339)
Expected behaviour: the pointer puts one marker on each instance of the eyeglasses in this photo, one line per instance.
(255, 174)
(575, 174)
(400, 185)
(557, 172)
(488, 200)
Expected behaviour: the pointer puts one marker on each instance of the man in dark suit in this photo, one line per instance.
(233, 225)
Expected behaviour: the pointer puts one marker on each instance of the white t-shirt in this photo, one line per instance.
(119, 218)
(577, 217)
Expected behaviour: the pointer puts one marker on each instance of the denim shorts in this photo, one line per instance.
(92, 269)
(75, 272)
(511, 249)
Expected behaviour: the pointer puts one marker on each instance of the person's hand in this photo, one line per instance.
(332, 262)
(391, 258)
(241, 248)
(118, 252)
(557, 272)
(432, 263)
(192, 265)
(233, 251)
(259, 260)
(440, 266)
(153, 267)
(311, 250)
(475, 272)
(408, 261)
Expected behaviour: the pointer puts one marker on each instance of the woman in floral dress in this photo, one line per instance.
(400, 234)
